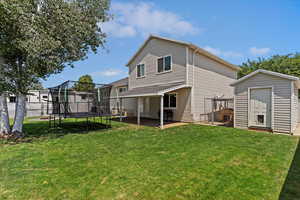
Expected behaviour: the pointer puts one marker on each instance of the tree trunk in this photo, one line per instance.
(17, 129)
(4, 117)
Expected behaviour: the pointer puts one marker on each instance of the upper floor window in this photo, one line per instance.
(164, 64)
(122, 89)
(140, 70)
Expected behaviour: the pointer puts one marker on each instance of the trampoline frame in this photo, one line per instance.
(97, 104)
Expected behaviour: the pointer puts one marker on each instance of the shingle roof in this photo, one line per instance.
(121, 82)
(285, 76)
(154, 90)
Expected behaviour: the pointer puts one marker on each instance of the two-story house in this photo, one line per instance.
(128, 106)
(176, 76)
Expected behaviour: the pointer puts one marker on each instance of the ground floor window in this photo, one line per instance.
(170, 100)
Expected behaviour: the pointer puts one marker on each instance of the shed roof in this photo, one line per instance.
(285, 76)
(187, 44)
(155, 90)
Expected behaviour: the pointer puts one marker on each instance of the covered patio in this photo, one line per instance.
(151, 103)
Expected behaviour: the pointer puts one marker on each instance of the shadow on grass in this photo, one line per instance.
(40, 130)
(291, 187)
(144, 121)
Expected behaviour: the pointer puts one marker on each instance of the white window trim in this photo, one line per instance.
(137, 71)
(172, 108)
(118, 89)
(123, 87)
(164, 71)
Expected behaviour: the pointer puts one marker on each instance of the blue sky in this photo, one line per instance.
(235, 30)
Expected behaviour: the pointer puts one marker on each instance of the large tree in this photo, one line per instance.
(42, 37)
(36, 86)
(85, 83)
(287, 64)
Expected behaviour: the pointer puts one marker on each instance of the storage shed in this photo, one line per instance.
(266, 100)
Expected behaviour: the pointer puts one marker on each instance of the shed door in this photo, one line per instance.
(260, 107)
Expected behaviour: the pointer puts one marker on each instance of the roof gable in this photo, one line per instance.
(186, 44)
(284, 76)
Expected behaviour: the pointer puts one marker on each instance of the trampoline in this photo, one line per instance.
(74, 100)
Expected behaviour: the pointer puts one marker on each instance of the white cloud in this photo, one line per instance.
(119, 30)
(143, 18)
(232, 54)
(109, 73)
(227, 54)
(259, 51)
(212, 50)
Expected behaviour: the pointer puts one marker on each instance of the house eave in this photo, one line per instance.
(158, 93)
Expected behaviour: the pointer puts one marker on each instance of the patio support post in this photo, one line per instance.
(213, 111)
(121, 110)
(139, 110)
(162, 111)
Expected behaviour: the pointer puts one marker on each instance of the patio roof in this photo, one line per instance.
(155, 90)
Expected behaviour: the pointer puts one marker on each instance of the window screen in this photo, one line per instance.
(140, 70)
(167, 63)
(164, 64)
(160, 64)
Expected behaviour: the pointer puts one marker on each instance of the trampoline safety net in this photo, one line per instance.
(73, 99)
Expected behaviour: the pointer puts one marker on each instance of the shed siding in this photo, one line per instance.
(294, 107)
(281, 97)
(149, 55)
(209, 79)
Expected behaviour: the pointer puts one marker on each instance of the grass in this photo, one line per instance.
(127, 162)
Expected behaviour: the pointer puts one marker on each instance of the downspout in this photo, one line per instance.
(193, 83)
(291, 105)
(186, 65)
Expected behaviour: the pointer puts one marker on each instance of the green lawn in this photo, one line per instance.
(126, 162)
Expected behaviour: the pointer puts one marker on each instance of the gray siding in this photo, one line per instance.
(294, 107)
(149, 55)
(209, 79)
(128, 104)
(183, 110)
(281, 98)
